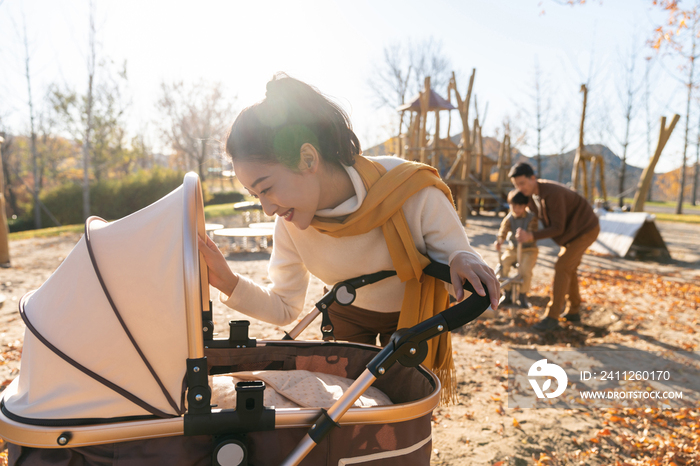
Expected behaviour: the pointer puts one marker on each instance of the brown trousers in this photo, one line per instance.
(565, 277)
(357, 325)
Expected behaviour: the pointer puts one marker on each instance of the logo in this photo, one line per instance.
(542, 369)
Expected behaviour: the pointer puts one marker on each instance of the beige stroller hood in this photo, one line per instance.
(107, 333)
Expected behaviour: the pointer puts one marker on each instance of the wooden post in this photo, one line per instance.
(501, 163)
(648, 173)
(463, 207)
(478, 150)
(580, 156)
(436, 141)
(509, 158)
(4, 232)
(398, 136)
(463, 106)
(601, 174)
(449, 112)
(423, 118)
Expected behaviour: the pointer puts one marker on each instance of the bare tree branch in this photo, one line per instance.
(194, 120)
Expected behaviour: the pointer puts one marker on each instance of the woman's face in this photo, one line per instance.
(293, 195)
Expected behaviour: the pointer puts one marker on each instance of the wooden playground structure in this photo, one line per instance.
(464, 166)
(478, 181)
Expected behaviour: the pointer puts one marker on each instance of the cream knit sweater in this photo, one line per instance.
(435, 226)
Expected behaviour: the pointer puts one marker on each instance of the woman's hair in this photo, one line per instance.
(292, 114)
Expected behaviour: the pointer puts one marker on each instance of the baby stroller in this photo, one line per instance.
(119, 350)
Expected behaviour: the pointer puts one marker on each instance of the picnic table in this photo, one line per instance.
(267, 225)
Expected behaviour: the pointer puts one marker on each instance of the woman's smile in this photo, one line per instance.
(288, 215)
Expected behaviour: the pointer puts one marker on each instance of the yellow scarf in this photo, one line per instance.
(424, 296)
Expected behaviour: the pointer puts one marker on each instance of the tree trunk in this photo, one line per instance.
(628, 119)
(202, 161)
(679, 206)
(623, 168)
(539, 131)
(4, 240)
(35, 156)
(7, 177)
(697, 167)
(88, 119)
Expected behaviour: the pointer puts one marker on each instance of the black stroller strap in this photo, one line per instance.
(126, 394)
(171, 402)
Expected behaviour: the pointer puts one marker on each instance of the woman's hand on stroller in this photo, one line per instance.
(465, 266)
(221, 276)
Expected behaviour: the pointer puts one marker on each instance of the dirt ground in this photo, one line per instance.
(632, 304)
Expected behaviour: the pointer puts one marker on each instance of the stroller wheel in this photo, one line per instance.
(230, 452)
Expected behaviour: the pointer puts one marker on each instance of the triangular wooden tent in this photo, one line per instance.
(631, 235)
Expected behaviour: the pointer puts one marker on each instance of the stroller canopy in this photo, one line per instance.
(107, 333)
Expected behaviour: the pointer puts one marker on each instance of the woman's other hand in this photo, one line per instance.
(469, 267)
(221, 276)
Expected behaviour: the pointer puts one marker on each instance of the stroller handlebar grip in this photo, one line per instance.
(466, 311)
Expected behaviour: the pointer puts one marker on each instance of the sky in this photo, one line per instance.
(337, 47)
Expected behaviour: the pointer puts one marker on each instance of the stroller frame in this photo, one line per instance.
(407, 346)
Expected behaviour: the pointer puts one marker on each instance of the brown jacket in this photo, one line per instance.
(565, 214)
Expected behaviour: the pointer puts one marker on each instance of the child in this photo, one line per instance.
(518, 217)
(342, 215)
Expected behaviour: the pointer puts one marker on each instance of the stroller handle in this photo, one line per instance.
(464, 312)
(455, 316)
(407, 346)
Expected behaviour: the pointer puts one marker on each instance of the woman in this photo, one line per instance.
(342, 215)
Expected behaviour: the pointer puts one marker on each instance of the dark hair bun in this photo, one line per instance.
(293, 113)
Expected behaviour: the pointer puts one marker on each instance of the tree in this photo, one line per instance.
(57, 155)
(9, 162)
(35, 156)
(628, 99)
(542, 107)
(681, 32)
(403, 72)
(193, 119)
(563, 139)
(647, 115)
(678, 33)
(96, 120)
(89, 103)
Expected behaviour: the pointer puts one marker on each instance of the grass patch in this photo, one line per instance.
(212, 211)
(220, 210)
(683, 218)
(630, 201)
(47, 232)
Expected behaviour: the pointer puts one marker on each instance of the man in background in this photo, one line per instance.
(569, 220)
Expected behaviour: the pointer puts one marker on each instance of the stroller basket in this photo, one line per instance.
(119, 348)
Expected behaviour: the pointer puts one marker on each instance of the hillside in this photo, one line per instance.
(559, 168)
